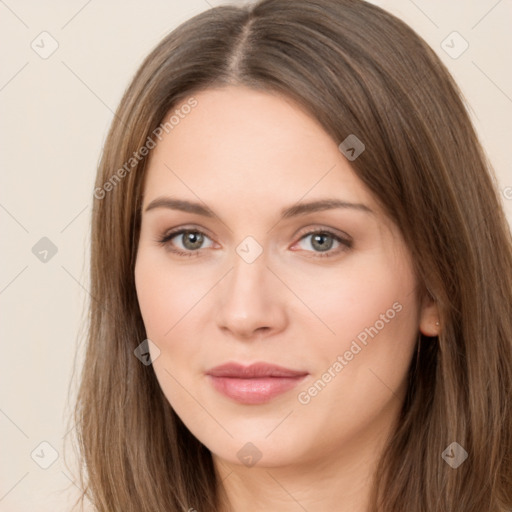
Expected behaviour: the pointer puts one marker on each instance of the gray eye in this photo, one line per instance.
(321, 241)
(192, 239)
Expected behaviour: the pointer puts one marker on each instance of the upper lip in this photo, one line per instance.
(236, 370)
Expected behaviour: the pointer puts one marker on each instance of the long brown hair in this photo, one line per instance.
(358, 70)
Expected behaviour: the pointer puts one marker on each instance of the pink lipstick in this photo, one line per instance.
(254, 384)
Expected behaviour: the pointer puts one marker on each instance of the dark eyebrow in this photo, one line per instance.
(291, 211)
(320, 205)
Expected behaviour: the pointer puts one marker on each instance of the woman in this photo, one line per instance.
(301, 275)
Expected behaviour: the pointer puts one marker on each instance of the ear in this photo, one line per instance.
(429, 317)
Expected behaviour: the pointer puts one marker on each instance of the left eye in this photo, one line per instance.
(323, 242)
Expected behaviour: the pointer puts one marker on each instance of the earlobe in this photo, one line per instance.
(429, 318)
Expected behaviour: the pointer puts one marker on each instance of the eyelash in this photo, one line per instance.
(345, 242)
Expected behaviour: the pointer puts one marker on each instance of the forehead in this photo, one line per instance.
(251, 145)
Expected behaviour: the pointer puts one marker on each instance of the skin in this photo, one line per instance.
(247, 155)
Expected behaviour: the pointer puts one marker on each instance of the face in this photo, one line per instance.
(280, 331)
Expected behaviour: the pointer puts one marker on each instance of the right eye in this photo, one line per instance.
(191, 241)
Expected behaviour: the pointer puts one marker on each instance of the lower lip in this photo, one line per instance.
(254, 391)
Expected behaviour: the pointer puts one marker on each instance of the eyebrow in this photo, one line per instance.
(290, 211)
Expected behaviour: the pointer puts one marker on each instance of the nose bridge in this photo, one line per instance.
(248, 278)
(247, 299)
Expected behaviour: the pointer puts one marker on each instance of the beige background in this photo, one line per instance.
(55, 113)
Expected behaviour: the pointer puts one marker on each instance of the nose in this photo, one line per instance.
(251, 300)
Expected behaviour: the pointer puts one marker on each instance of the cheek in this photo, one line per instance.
(166, 299)
(358, 373)
(166, 294)
(363, 293)
(373, 312)
(154, 297)
(371, 308)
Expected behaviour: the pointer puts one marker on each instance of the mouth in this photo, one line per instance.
(255, 384)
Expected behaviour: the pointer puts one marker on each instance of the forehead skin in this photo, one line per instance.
(240, 140)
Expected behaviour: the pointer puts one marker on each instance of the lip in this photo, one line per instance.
(254, 384)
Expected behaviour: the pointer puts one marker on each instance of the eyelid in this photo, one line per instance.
(168, 233)
(319, 228)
